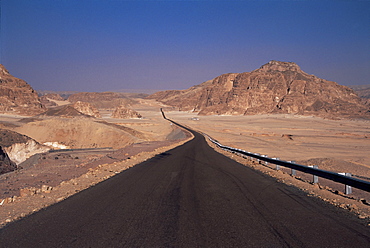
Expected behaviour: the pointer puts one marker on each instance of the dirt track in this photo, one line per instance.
(190, 196)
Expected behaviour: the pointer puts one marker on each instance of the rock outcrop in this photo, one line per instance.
(276, 87)
(16, 96)
(87, 109)
(19, 147)
(122, 112)
(6, 165)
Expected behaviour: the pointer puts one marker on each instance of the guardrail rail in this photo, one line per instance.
(336, 177)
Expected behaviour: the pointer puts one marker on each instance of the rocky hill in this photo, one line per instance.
(122, 112)
(16, 96)
(276, 87)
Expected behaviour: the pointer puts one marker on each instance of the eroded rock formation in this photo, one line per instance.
(87, 109)
(16, 96)
(122, 112)
(276, 87)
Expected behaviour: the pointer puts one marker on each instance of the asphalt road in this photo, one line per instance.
(190, 196)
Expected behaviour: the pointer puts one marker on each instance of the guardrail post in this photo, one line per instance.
(293, 172)
(315, 178)
(277, 166)
(347, 188)
(265, 156)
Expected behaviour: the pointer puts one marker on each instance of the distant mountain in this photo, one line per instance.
(129, 93)
(63, 94)
(102, 100)
(362, 91)
(276, 87)
(16, 96)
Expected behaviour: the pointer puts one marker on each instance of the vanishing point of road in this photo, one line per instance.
(190, 196)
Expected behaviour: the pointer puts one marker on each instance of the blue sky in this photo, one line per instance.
(109, 45)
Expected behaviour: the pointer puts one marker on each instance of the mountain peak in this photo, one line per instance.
(3, 70)
(275, 65)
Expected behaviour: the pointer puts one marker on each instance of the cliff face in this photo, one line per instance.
(16, 96)
(276, 87)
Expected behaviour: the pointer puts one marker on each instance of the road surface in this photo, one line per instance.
(190, 196)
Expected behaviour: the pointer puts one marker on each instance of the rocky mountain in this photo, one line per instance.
(276, 87)
(87, 109)
(122, 112)
(16, 96)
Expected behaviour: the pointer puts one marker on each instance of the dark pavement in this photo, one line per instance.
(190, 196)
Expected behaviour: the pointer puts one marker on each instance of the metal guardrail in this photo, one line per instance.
(346, 180)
